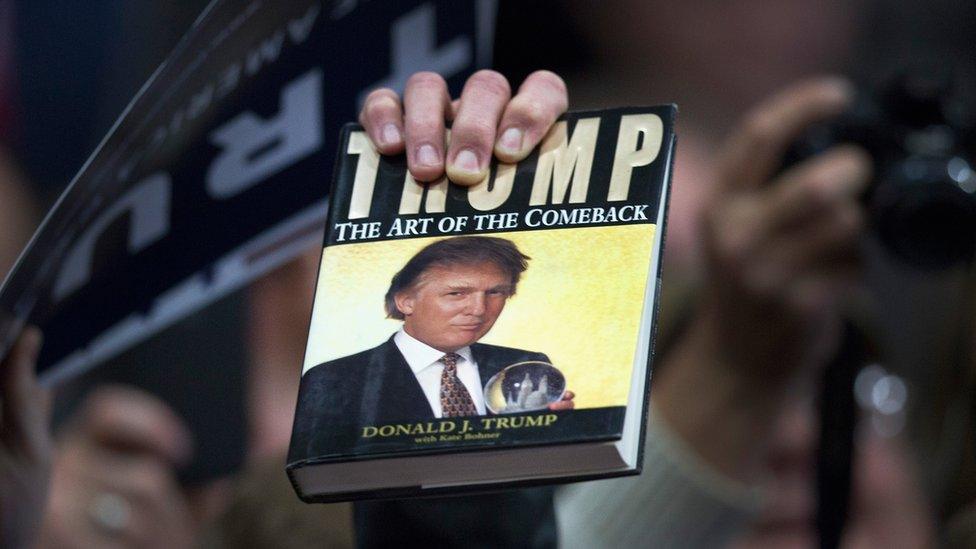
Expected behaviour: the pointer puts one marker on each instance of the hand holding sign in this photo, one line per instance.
(25, 444)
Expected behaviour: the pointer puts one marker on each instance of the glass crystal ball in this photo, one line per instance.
(523, 387)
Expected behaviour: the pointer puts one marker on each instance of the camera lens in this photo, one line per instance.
(923, 215)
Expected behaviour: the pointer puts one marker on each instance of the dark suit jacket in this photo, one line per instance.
(374, 387)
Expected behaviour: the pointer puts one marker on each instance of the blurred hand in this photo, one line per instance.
(781, 253)
(486, 118)
(25, 443)
(565, 403)
(782, 249)
(113, 482)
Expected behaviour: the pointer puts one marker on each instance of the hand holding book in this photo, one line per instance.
(485, 118)
(584, 187)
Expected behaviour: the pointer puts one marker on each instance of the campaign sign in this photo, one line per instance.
(218, 170)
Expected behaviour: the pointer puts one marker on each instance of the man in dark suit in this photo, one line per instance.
(449, 296)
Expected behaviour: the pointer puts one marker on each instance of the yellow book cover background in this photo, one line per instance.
(579, 302)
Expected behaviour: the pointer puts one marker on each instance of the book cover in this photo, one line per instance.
(451, 325)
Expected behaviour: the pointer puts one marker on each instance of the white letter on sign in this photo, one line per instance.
(148, 204)
(256, 149)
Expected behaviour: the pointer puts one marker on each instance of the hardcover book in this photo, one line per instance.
(474, 338)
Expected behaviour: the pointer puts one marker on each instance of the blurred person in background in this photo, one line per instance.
(730, 447)
(66, 73)
(715, 62)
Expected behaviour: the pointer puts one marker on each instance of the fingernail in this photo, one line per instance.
(427, 156)
(467, 160)
(511, 140)
(391, 134)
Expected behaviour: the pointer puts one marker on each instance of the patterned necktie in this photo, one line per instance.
(455, 399)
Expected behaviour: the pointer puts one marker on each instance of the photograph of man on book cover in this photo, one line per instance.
(400, 326)
(448, 296)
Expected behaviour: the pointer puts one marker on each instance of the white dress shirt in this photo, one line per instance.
(425, 361)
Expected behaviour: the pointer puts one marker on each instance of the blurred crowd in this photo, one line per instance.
(762, 268)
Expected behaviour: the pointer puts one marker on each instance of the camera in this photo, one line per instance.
(919, 133)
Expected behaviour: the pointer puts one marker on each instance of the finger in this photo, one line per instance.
(748, 226)
(473, 132)
(452, 112)
(817, 298)
(129, 420)
(137, 493)
(25, 407)
(832, 245)
(568, 395)
(541, 99)
(815, 186)
(382, 117)
(753, 152)
(562, 405)
(425, 104)
(827, 249)
(147, 490)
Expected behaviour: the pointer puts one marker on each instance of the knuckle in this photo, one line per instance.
(532, 111)
(548, 79)
(426, 79)
(491, 82)
(382, 94)
(379, 107)
(474, 131)
(423, 128)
